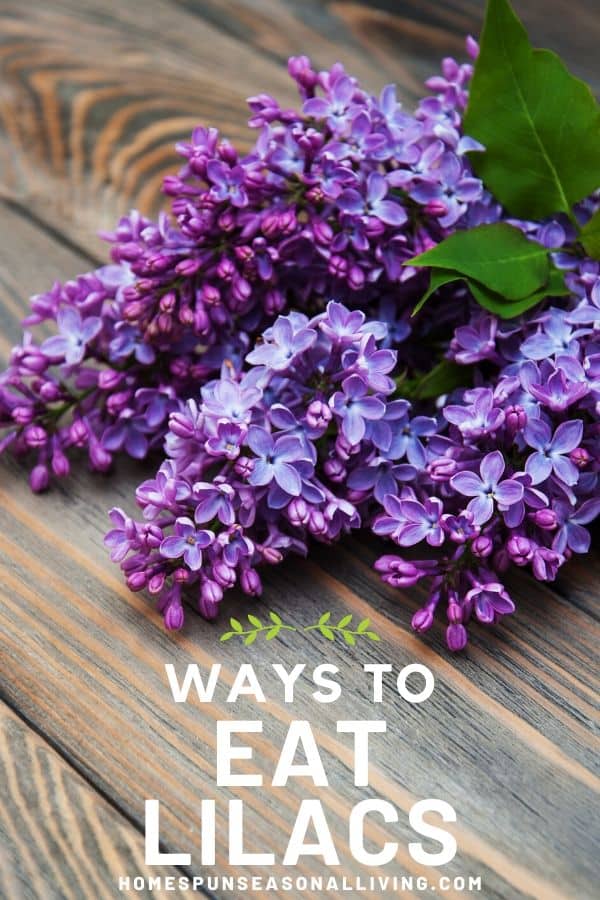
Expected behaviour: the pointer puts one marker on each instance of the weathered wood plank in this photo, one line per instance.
(58, 838)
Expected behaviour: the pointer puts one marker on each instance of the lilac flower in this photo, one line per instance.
(227, 441)
(75, 334)
(373, 203)
(489, 600)
(482, 417)
(283, 344)
(571, 532)
(186, 543)
(227, 184)
(487, 488)
(423, 522)
(555, 336)
(406, 440)
(551, 450)
(277, 460)
(336, 107)
(353, 405)
(213, 501)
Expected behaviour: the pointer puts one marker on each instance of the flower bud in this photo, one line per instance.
(318, 415)
(442, 469)
(456, 637)
(519, 549)
(515, 419)
(156, 583)
(78, 433)
(35, 436)
(109, 379)
(545, 519)
(482, 546)
(580, 457)
(422, 620)
(136, 581)
(39, 478)
(297, 512)
(224, 575)
(60, 463)
(454, 613)
(174, 616)
(250, 582)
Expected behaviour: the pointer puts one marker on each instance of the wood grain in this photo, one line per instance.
(508, 737)
(58, 838)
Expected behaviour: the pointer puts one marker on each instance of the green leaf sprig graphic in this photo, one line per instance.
(324, 626)
(539, 125)
(328, 630)
(249, 635)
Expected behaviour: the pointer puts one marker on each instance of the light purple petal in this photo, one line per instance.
(565, 470)
(567, 436)
(578, 538)
(481, 508)
(538, 467)
(509, 492)
(467, 483)
(288, 479)
(193, 557)
(492, 467)
(173, 547)
(412, 534)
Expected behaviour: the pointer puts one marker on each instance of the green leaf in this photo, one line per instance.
(272, 632)
(227, 635)
(540, 125)
(324, 618)
(363, 625)
(497, 304)
(590, 236)
(442, 379)
(372, 636)
(349, 638)
(327, 632)
(237, 626)
(254, 620)
(344, 621)
(439, 277)
(498, 256)
(275, 618)
(250, 638)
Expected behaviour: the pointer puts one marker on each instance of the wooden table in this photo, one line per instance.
(93, 96)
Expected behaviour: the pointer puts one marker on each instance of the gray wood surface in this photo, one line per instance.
(92, 97)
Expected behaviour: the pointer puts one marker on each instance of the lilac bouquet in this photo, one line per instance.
(374, 319)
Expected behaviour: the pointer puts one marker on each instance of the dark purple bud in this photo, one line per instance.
(519, 549)
(435, 208)
(39, 478)
(136, 581)
(454, 613)
(188, 267)
(298, 512)
(243, 466)
(456, 637)
(156, 583)
(50, 391)
(100, 458)
(545, 519)
(580, 457)
(164, 323)
(271, 555)
(318, 414)
(442, 469)
(317, 523)
(174, 616)
(226, 269)
(482, 546)
(335, 470)
(22, 415)
(422, 620)
(250, 582)
(515, 418)
(109, 379)
(356, 278)
(274, 302)
(338, 266)
(78, 433)
(181, 575)
(60, 463)
(35, 436)
(211, 595)
(224, 575)
(322, 231)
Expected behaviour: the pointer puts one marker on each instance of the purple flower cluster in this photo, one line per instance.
(330, 202)
(96, 386)
(274, 453)
(286, 415)
(511, 473)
